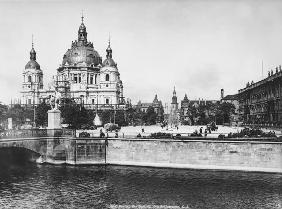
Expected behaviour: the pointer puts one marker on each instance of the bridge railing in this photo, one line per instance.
(23, 133)
(27, 133)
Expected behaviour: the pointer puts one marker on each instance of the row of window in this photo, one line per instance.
(36, 79)
(92, 79)
(107, 101)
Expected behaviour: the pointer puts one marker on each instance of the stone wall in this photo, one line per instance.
(197, 154)
(201, 154)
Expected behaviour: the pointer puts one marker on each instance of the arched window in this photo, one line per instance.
(107, 101)
(29, 78)
(107, 77)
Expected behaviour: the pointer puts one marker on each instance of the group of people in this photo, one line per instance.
(201, 132)
(102, 134)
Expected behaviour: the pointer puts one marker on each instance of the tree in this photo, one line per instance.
(120, 118)
(41, 117)
(224, 112)
(70, 113)
(3, 115)
(18, 115)
(106, 116)
(151, 116)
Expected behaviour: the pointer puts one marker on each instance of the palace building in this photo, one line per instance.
(261, 102)
(83, 76)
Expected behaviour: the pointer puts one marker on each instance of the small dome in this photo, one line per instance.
(109, 62)
(32, 51)
(32, 64)
(82, 26)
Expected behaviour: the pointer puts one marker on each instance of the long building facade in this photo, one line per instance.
(83, 76)
(261, 102)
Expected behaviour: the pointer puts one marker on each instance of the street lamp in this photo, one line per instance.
(34, 114)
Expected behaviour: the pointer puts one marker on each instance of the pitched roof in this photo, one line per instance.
(230, 97)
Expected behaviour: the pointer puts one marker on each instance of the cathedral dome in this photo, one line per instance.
(82, 51)
(79, 54)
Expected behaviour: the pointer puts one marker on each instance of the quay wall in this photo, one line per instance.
(170, 153)
(200, 154)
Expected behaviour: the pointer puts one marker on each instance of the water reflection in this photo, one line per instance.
(49, 186)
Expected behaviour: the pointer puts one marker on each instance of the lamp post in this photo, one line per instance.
(34, 114)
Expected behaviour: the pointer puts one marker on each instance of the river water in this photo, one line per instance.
(31, 185)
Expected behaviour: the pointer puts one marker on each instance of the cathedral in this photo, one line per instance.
(83, 76)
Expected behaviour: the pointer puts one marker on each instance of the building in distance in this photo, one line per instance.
(261, 102)
(83, 77)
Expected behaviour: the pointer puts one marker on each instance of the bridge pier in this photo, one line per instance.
(54, 123)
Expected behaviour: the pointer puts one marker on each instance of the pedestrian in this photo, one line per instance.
(102, 135)
(206, 132)
(201, 130)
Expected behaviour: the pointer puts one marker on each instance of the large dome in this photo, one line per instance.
(79, 54)
(82, 51)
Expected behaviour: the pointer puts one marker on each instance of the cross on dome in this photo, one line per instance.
(82, 17)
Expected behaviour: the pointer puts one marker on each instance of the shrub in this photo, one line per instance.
(161, 135)
(84, 135)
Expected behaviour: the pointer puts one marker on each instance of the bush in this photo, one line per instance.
(84, 135)
(111, 127)
(196, 134)
(254, 133)
(221, 136)
(178, 136)
(161, 135)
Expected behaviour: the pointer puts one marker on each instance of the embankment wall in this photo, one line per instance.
(200, 154)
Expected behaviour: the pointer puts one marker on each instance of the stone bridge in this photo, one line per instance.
(58, 150)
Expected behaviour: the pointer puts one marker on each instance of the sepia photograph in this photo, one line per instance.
(141, 104)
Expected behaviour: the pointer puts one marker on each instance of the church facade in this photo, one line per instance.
(83, 76)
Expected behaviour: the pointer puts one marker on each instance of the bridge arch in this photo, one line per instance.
(17, 155)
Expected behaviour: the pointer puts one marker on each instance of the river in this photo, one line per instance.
(29, 185)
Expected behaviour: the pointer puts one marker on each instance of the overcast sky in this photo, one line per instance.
(197, 46)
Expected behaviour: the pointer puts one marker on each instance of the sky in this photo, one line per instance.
(198, 46)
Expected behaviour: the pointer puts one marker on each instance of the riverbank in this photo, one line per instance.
(194, 153)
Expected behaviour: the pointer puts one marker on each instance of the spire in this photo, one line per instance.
(155, 99)
(109, 49)
(174, 97)
(32, 51)
(82, 34)
(82, 17)
(185, 98)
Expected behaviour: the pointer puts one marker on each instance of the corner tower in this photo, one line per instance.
(110, 79)
(32, 80)
(174, 113)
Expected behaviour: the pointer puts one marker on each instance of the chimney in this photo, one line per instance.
(221, 93)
